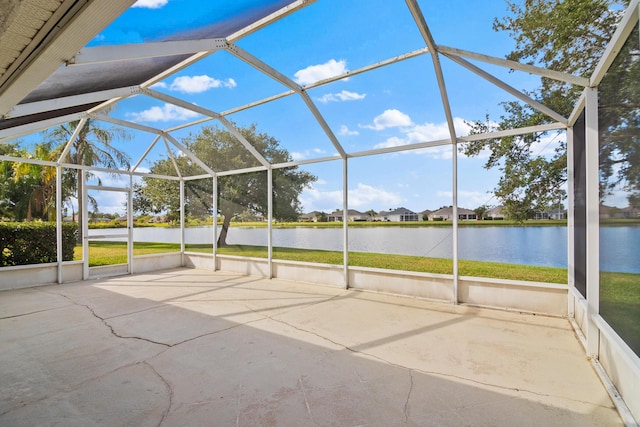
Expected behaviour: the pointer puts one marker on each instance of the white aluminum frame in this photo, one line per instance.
(199, 49)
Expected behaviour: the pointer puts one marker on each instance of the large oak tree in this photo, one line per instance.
(237, 193)
(568, 36)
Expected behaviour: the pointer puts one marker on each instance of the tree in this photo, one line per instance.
(27, 190)
(92, 147)
(567, 36)
(40, 200)
(12, 191)
(481, 211)
(238, 193)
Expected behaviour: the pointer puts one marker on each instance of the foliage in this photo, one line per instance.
(237, 193)
(567, 36)
(34, 243)
(92, 146)
(619, 123)
(481, 211)
(27, 191)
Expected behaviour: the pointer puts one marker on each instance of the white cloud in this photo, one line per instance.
(365, 196)
(362, 197)
(159, 84)
(345, 95)
(344, 130)
(150, 4)
(162, 114)
(548, 144)
(314, 73)
(313, 199)
(427, 132)
(300, 155)
(469, 199)
(388, 119)
(198, 84)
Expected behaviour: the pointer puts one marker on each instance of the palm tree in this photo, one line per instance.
(92, 147)
(40, 182)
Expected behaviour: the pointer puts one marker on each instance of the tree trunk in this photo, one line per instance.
(222, 238)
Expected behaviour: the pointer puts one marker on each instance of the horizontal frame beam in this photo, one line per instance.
(514, 65)
(128, 52)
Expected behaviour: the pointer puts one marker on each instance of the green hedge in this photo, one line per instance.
(23, 243)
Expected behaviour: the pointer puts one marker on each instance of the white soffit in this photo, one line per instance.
(65, 27)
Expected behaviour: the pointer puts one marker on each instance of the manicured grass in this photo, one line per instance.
(358, 224)
(104, 253)
(620, 305)
(109, 253)
(405, 263)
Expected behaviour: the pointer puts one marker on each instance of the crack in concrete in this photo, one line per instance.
(264, 317)
(166, 345)
(169, 389)
(406, 402)
(113, 332)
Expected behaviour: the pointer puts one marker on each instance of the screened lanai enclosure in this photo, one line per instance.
(229, 123)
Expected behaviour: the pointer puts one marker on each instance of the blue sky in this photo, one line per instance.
(391, 106)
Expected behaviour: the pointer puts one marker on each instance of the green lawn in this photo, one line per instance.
(620, 305)
(105, 253)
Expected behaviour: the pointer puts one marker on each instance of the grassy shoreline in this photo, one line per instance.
(263, 224)
(105, 253)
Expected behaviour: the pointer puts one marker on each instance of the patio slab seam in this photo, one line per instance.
(36, 312)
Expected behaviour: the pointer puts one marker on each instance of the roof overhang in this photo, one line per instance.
(38, 36)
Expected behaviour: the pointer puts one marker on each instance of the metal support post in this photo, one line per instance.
(82, 176)
(454, 167)
(59, 220)
(130, 225)
(345, 220)
(214, 211)
(593, 220)
(182, 222)
(571, 274)
(270, 221)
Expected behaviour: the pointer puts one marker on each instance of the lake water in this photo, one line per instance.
(545, 246)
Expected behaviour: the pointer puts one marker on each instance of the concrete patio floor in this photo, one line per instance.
(192, 348)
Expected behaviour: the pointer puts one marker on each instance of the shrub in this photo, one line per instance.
(24, 243)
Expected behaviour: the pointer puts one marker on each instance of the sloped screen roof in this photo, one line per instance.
(215, 20)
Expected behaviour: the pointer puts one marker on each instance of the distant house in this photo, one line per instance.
(631, 212)
(382, 216)
(352, 215)
(446, 214)
(309, 217)
(424, 215)
(553, 214)
(558, 213)
(495, 213)
(612, 212)
(402, 215)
